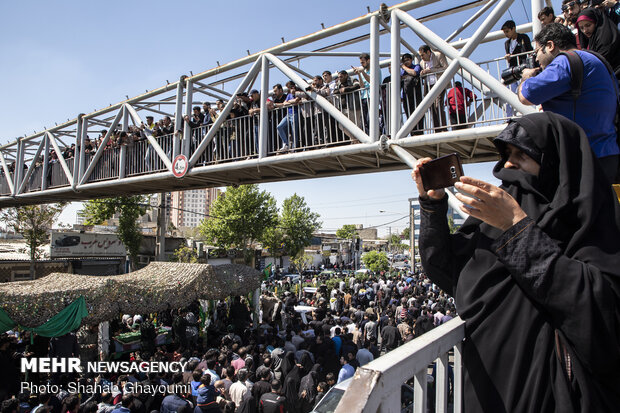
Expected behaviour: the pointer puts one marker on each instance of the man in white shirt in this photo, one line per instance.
(433, 64)
(238, 389)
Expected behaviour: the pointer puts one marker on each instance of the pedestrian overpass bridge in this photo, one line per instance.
(71, 161)
(359, 132)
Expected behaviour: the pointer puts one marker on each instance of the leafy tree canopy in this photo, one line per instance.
(129, 208)
(33, 222)
(376, 261)
(298, 223)
(240, 216)
(348, 231)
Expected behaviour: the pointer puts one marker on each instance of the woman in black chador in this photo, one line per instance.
(535, 273)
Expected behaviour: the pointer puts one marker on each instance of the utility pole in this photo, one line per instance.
(161, 228)
(412, 235)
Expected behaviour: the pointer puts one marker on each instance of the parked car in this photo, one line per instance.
(330, 401)
(293, 278)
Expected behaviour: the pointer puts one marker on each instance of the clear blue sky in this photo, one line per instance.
(62, 58)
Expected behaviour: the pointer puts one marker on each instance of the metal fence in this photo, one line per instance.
(378, 383)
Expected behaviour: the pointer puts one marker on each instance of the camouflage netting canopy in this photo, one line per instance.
(156, 287)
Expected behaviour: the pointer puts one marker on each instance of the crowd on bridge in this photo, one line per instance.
(283, 361)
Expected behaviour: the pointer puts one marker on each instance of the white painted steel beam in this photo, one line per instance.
(31, 167)
(222, 118)
(7, 173)
(346, 123)
(160, 112)
(160, 152)
(375, 80)
(187, 130)
(472, 19)
(213, 88)
(61, 158)
(178, 117)
(395, 110)
(263, 133)
(325, 54)
(99, 153)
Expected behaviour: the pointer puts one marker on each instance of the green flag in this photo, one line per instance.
(266, 272)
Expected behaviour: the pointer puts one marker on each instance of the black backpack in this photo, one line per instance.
(576, 82)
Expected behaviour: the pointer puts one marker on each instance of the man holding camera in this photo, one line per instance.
(516, 43)
(595, 108)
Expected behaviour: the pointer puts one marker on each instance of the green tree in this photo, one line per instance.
(129, 208)
(348, 231)
(185, 254)
(298, 223)
(376, 261)
(301, 262)
(34, 223)
(406, 234)
(273, 239)
(240, 216)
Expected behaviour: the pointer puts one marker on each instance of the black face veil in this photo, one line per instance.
(570, 198)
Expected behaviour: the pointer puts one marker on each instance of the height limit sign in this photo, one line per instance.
(180, 165)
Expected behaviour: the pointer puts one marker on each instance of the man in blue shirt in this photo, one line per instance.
(595, 108)
(347, 370)
(290, 124)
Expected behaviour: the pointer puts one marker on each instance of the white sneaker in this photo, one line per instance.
(284, 148)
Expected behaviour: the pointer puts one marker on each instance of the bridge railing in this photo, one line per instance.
(312, 128)
(376, 386)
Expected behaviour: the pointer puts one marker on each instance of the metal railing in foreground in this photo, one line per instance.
(377, 385)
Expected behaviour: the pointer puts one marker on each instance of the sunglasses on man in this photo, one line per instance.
(568, 6)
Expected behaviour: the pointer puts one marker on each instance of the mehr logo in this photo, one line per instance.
(51, 365)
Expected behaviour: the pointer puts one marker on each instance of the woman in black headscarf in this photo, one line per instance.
(306, 363)
(290, 391)
(598, 33)
(535, 273)
(287, 364)
(307, 389)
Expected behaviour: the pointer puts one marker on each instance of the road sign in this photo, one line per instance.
(180, 165)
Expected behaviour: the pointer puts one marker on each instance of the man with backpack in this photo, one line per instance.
(578, 85)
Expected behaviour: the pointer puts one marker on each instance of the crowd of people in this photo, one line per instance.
(282, 361)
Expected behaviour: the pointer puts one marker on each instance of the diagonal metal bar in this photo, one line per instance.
(346, 123)
(429, 99)
(457, 57)
(222, 118)
(162, 154)
(213, 88)
(99, 153)
(468, 65)
(161, 112)
(7, 173)
(31, 166)
(204, 92)
(472, 19)
(298, 70)
(61, 158)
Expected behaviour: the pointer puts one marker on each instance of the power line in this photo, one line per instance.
(525, 10)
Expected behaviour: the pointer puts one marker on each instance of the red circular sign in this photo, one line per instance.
(180, 165)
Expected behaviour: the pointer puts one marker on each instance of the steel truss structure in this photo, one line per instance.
(329, 137)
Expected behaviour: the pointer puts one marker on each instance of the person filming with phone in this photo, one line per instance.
(534, 270)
